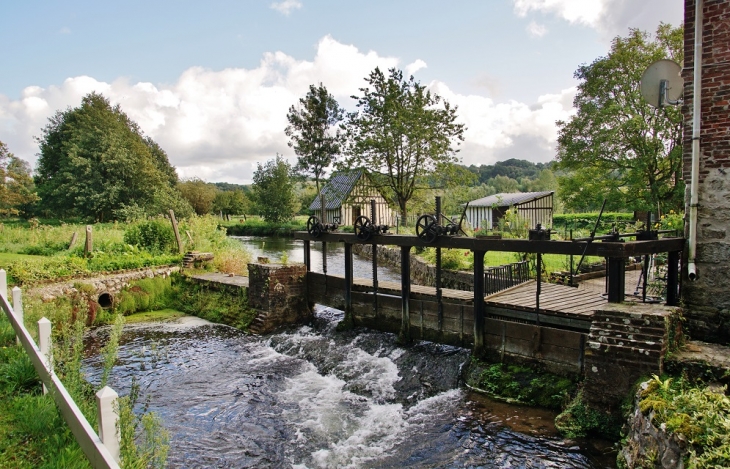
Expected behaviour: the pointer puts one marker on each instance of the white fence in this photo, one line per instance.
(102, 450)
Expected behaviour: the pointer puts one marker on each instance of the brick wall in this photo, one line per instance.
(626, 342)
(279, 295)
(707, 299)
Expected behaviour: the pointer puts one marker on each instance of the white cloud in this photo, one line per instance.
(412, 68)
(217, 124)
(286, 6)
(610, 17)
(536, 30)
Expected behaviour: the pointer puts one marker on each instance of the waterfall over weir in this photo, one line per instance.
(312, 397)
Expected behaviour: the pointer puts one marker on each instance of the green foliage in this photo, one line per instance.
(257, 227)
(521, 384)
(155, 235)
(564, 222)
(215, 306)
(451, 259)
(700, 414)
(145, 295)
(94, 161)
(617, 147)
(199, 194)
(144, 441)
(231, 203)
(314, 132)
(273, 190)
(404, 136)
(16, 370)
(17, 192)
(111, 349)
(579, 420)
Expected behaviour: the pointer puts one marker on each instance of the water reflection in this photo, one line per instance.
(273, 248)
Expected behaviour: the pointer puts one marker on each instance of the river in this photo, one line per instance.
(313, 397)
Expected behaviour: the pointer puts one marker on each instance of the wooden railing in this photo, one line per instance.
(102, 450)
(505, 276)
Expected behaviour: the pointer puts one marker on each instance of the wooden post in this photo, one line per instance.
(44, 345)
(18, 308)
(177, 232)
(107, 417)
(308, 255)
(672, 279)
(616, 279)
(439, 300)
(190, 237)
(479, 309)
(405, 278)
(89, 246)
(349, 319)
(73, 240)
(3, 284)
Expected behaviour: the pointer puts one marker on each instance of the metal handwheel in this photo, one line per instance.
(314, 227)
(363, 228)
(427, 228)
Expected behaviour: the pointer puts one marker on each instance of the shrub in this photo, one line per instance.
(155, 235)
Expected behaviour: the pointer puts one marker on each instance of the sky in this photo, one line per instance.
(211, 82)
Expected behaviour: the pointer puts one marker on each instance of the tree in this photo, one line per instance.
(273, 190)
(617, 146)
(314, 133)
(96, 163)
(404, 136)
(230, 203)
(16, 184)
(199, 194)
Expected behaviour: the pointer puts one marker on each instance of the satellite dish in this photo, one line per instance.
(661, 83)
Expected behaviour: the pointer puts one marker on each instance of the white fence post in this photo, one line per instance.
(3, 284)
(44, 344)
(107, 417)
(18, 309)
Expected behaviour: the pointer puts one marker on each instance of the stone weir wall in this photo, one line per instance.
(278, 294)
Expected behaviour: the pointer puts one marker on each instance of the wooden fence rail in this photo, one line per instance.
(101, 454)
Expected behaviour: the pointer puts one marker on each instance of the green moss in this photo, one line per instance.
(215, 306)
(521, 384)
(579, 420)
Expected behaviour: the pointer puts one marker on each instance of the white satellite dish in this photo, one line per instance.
(662, 83)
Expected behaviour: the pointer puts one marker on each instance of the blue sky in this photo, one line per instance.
(212, 81)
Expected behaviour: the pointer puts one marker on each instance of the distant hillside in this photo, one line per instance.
(227, 186)
(512, 168)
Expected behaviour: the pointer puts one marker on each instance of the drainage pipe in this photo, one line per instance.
(696, 112)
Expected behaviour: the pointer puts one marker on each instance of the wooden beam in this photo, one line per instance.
(602, 249)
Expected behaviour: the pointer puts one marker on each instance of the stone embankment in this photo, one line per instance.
(106, 286)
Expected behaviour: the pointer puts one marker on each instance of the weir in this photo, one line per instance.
(558, 327)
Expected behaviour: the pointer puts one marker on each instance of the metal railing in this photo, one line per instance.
(505, 276)
(102, 450)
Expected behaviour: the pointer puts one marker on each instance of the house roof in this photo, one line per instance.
(507, 199)
(336, 190)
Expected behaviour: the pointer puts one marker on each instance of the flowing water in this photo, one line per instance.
(312, 397)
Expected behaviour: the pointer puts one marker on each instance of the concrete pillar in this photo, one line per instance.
(107, 417)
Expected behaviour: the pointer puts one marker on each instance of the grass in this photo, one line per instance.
(162, 315)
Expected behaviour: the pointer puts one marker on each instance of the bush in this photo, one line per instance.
(154, 235)
(148, 294)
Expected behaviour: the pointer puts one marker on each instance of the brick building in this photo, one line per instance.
(707, 298)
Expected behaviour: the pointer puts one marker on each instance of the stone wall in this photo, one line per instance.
(279, 295)
(647, 444)
(708, 298)
(422, 273)
(110, 284)
(626, 342)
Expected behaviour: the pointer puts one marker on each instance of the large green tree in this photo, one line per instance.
(404, 136)
(199, 194)
(314, 132)
(96, 163)
(617, 146)
(273, 190)
(17, 191)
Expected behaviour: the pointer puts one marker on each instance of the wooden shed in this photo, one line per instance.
(536, 207)
(347, 196)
